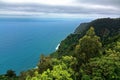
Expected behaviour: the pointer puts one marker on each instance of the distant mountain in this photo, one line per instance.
(104, 28)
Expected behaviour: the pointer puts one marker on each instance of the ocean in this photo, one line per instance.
(22, 40)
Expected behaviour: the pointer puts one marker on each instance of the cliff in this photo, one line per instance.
(104, 28)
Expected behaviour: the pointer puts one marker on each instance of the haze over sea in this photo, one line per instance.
(22, 40)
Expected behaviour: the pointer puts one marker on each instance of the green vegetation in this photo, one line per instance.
(105, 68)
(89, 46)
(81, 56)
(105, 28)
(62, 70)
(10, 75)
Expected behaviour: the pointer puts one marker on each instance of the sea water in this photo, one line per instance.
(22, 40)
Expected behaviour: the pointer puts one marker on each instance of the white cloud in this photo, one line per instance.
(59, 8)
(47, 2)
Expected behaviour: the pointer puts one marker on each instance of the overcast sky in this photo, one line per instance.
(60, 8)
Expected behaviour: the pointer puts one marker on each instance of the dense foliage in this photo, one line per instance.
(104, 68)
(89, 46)
(81, 56)
(105, 28)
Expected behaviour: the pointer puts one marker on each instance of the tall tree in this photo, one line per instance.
(89, 46)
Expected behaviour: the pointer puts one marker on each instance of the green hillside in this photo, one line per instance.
(104, 28)
(92, 52)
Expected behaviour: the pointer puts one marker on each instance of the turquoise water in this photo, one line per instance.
(22, 40)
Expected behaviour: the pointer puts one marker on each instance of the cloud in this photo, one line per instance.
(70, 8)
(101, 2)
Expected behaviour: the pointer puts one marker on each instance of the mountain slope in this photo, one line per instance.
(105, 28)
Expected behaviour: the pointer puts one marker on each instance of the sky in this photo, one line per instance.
(60, 8)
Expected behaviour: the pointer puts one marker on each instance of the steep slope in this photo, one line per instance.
(105, 28)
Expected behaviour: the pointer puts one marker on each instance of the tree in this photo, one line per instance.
(11, 73)
(105, 68)
(44, 63)
(59, 72)
(62, 70)
(89, 46)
